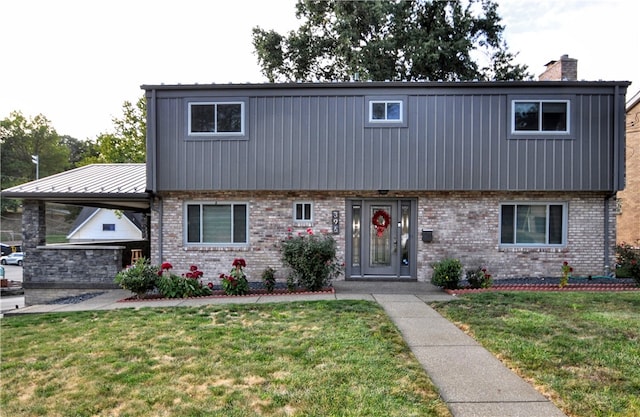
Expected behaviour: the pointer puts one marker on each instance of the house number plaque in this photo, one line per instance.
(335, 222)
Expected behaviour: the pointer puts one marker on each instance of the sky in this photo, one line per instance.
(77, 62)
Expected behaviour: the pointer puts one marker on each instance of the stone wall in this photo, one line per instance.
(465, 225)
(70, 266)
(56, 271)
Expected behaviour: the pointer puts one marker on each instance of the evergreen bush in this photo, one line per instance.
(139, 278)
(446, 273)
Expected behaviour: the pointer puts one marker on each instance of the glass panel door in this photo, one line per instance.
(380, 246)
(381, 239)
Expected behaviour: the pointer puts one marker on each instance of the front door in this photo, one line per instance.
(382, 243)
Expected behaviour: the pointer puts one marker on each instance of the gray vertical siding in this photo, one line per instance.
(455, 139)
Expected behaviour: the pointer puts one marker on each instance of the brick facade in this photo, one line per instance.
(629, 207)
(465, 225)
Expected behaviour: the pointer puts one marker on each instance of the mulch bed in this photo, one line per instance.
(221, 294)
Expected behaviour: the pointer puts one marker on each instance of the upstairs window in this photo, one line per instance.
(533, 224)
(216, 118)
(108, 227)
(385, 111)
(540, 116)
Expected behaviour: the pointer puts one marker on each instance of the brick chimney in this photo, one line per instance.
(564, 70)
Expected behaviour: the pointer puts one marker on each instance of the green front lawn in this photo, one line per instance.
(582, 349)
(337, 358)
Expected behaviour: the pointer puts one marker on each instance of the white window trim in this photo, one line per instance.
(302, 222)
(386, 119)
(565, 224)
(209, 134)
(369, 122)
(185, 226)
(540, 132)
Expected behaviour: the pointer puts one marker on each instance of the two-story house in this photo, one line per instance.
(517, 177)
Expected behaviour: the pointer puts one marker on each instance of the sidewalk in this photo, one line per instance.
(471, 381)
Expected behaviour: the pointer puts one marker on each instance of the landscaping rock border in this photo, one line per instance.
(548, 287)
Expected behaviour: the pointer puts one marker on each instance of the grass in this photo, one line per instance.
(57, 239)
(327, 358)
(582, 349)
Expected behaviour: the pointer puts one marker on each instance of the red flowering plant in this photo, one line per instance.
(175, 286)
(566, 274)
(236, 282)
(194, 272)
(479, 278)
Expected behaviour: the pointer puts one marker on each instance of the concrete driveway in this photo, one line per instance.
(12, 273)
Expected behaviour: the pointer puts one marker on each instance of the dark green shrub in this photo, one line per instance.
(446, 273)
(628, 262)
(312, 259)
(479, 278)
(269, 279)
(139, 278)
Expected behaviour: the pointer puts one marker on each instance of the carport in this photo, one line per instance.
(59, 270)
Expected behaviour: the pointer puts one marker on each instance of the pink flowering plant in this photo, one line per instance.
(236, 282)
(628, 261)
(311, 258)
(188, 284)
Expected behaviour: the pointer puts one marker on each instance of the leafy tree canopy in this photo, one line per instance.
(21, 138)
(127, 143)
(395, 40)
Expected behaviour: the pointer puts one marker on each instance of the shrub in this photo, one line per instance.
(175, 286)
(138, 278)
(628, 262)
(236, 282)
(446, 273)
(269, 279)
(312, 259)
(479, 278)
(566, 274)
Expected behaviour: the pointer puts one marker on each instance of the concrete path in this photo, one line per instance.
(471, 381)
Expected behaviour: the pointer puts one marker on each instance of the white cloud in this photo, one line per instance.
(602, 35)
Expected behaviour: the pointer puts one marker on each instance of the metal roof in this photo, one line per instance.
(379, 84)
(100, 185)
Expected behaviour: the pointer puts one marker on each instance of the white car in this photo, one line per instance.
(15, 258)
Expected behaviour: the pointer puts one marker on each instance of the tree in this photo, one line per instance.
(79, 150)
(128, 141)
(20, 139)
(389, 40)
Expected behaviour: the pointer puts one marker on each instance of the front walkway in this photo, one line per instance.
(471, 380)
